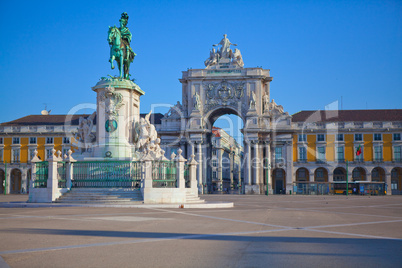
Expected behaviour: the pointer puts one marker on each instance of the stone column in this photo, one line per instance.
(247, 169)
(289, 167)
(192, 170)
(200, 163)
(204, 165)
(388, 183)
(368, 176)
(311, 176)
(231, 169)
(180, 170)
(255, 163)
(219, 154)
(268, 167)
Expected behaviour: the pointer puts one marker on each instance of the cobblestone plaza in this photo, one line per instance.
(260, 231)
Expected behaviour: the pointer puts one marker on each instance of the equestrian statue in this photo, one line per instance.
(120, 51)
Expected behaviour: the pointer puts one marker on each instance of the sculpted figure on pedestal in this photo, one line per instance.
(146, 138)
(174, 112)
(252, 101)
(84, 134)
(225, 51)
(119, 40)
(213, 58)
(197, 102)
(266, 103)
(237, 58)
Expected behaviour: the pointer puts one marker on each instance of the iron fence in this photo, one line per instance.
(187, 176)
(163, 174)
(110, 174)
(61, 174)
(42, 171)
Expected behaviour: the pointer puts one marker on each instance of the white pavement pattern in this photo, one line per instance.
(260, 231)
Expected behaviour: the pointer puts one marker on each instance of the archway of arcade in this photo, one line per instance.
(224, 152)
(16, 179)
(2, 181)
(396, 180)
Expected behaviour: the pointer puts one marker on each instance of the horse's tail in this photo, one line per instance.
(132, 55)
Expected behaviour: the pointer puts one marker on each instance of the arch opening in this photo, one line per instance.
(225, 152)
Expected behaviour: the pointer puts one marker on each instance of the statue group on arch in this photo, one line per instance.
(224, 54)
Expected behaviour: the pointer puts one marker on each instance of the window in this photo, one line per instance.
(360, 156)
(339, 153)
(397, 136)
(16, 155)
(339, 137)
(358, 137)
(214, 174)
(31, 154)
(66, 140)
(278, 154)
(302, 153)
(65, 151)
(32, 140)
(49, 140)
(321, 153)
(377, 137)
(397, 153)
(356, 174)
(279, 173)
(302, 137)
(214, 163)
(320, 137)
(319, 173)
(1, 140)
(378, 153)
(48, 153)
(16, 140)
(213, 152)
(1, 155)
(301, 174)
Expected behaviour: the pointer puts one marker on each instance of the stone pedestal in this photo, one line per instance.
(118, 109)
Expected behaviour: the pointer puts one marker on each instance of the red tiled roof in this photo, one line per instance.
(348, 115)
(216, 132)
(60, 119)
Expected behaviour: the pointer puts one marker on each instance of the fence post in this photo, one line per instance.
(69, 169)
(52, 183)
(34, 160)
(181, 183)
(192, 174)
(146, 172)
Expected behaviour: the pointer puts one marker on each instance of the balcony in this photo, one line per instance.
(378, 160)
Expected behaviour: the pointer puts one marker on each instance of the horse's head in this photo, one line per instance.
(113, 33)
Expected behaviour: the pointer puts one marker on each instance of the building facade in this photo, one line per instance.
(20, 138)
(310, 152)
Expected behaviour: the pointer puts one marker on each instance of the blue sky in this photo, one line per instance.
(53, 52)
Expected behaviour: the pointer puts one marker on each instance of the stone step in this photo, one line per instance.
(101, 196)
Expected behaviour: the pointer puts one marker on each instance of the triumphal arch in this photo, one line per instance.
(225, 86)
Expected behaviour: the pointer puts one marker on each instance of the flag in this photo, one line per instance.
(359, 150)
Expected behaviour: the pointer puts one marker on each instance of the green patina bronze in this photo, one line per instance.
(120, 51)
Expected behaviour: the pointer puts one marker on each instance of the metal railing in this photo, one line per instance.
(42, 171)
(61, 174)
(187, 176)
(163, 174)
(110, 174)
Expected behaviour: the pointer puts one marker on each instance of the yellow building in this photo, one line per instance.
(20, 138)
(360, 146)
